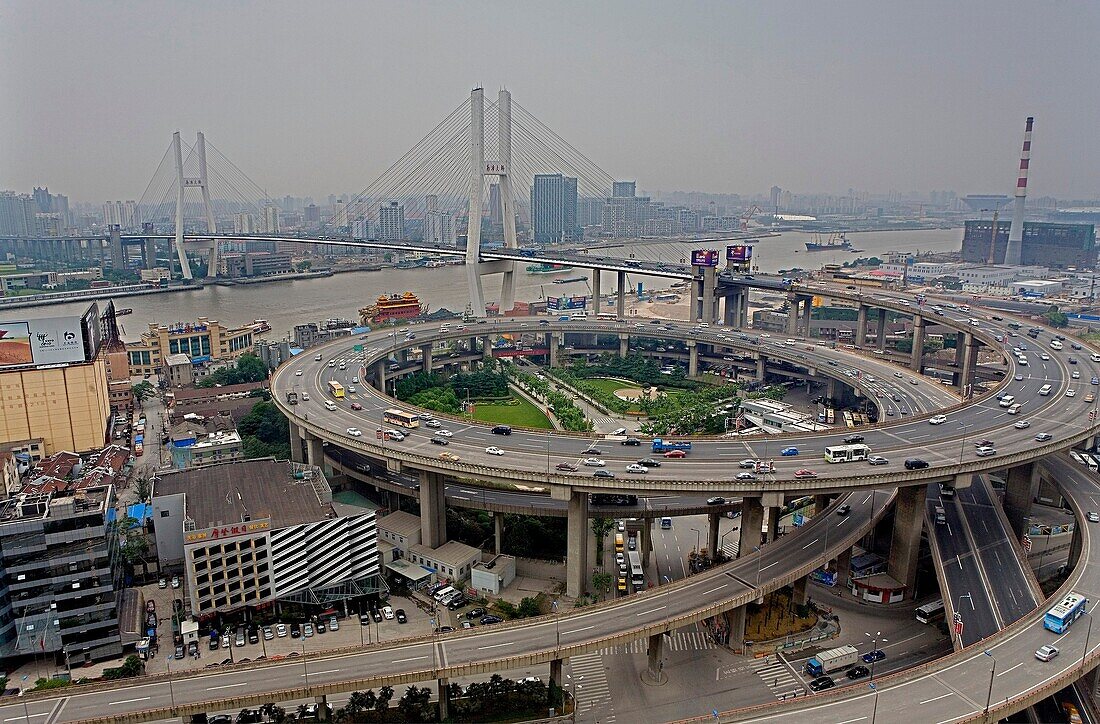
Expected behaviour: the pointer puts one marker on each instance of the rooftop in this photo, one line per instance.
(400, 523)
(177, 359)
(228, 492)
(451, 552)
(186, 394)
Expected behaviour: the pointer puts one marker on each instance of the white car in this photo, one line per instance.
(355, 380)
(1044, 356)
(392, 434)
(444, 433)
(280, 630)
(297, 373)
(985, 451)
(937, 419)
(1022, 425)
(355, 432)
(1075, 375)
(494, 450)
(433, 423)
(898, 375)
(637, 469)
(351, 390)
(1046, 653)
(1071, 392)
(305, 397)
(593, 462)
(387, 613)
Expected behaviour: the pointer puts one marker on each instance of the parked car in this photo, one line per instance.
(387, 613)
(401, 617)
(858, 672)
(475, 613)
(486, 620)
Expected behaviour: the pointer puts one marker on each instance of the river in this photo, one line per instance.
(286, 303)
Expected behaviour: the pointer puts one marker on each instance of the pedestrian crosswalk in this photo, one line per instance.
(681, 641)
(588, 679)
(777, 676)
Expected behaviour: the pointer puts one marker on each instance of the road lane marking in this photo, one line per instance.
(1002, 673)
(496, 646)
(128, 701)
(23, 718)
(578, 630)
(937, 698)
(414, 658)
(226, 686)
(719, 588)
(810, 543)
(318, 673)
(652, 610)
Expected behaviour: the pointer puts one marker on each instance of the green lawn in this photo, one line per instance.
(609, 385)
(523, 414)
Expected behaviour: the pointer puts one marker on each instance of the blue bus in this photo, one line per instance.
(1065, 612)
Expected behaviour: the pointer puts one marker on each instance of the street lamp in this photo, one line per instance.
(759, 558)
(698, 538)
(557, 622)
(874, 647)
(874, 710)
(992, 673)
(1088, 633)
(962, 447)
(305, 662)
(171, 692)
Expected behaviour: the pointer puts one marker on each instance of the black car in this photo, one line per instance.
(364, 619)
(858, 672)
(853, 439)
(486, 620)
(844, 509)
(401, 617)
(649, 463)
(821, 683)
(214, 643)
(253, 636)
(502, 430)
(457, 603)
(915, 464)
(250, 716)
(295, 630)
(440, 441)
(716, 500)
(603, 474)
(592, 450)
(180, 652)
(219, 719)
(376, 615)
(193, 648)
(633, 441)
(474, 613)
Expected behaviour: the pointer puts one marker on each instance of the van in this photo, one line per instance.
(330, 405)
(941, 516)
(619, 542)
(1014, 409)
(666, 523)
(1006, 401)
(1044, 391)
(444, 592)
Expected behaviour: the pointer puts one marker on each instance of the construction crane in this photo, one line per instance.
(745, 218)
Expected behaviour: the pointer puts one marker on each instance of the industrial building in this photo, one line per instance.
(254, 532)
(1057, 246)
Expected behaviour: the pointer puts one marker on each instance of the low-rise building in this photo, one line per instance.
(451, 561)
(250, 533)
(493, 576)
(202, 341)
(227, 398)
(208, 448)
(178, 370)
(401, 530)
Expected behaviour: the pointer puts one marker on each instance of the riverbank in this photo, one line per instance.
(88, 295)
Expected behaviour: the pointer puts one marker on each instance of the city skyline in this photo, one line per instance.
(797, 95)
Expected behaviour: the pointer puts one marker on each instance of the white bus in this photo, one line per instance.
(402, 418)
(637, 577)
(931, 612)
(846, 453)
(1044, 391)
(606, 316)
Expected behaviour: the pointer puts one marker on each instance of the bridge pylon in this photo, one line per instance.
(201, 183)
(479, 169)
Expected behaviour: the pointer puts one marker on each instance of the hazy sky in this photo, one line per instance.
(312, 98)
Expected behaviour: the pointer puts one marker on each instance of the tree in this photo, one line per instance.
(382, 703)
(415, 705)
(528, 607)
(249, 368)
(1056, 318)
(143, 488)
(265, 431)
(143, 390)
(600, 528)
(601, 581)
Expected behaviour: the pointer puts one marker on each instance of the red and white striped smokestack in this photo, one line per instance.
(1014, 249)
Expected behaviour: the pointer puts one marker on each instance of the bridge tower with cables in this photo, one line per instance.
(479, 169)
(200, 182)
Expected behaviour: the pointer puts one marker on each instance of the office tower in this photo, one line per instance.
(554, 208)
(42, 198)
(439, 226)
(271, 220)
(774, 202)
(60, 205)
(244, 223)
(391, 221)
(624, 189)
(360, 228)
(340, 215)
(313, 215)
(17, 214)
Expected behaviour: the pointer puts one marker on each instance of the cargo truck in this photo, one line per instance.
(832, 660)
(292, 398)
(661, 446)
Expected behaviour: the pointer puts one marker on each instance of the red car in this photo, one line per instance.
(568, 467)
(804, 473)
(356, 406)
(675, 454)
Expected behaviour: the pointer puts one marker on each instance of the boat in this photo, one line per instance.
(434, 264)
(259, 325)
(392, 307)
(547, 268)
(124, 310)
(570, 279)
(836, 242)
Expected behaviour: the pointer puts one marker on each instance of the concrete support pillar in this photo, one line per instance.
(792, 314)
(498, 531)
(761, 362)
(880, 331)
(844, 567)
(656, 658)
(315, 451)
(821, 502)
(380, 375)
(1021, 487)
(807, 315)
(149, 250)
(322, 708)
(918, 343)
(442, 687)
(752, 519)
(553, 344)
(743, 313)
(486, 348)
(861, 325)
(735, 618)
(118, 259)
(624, 344)
(709, 303)
(830, 389)
(296, 452)
(555, 672)
(773, 523)
(696, 310)
(731, 309)
(799, 591)
(693, 358)
(426, 358)
(969, 359)
(713, 521)
(647, 540)
(620, 295)
(905, 541)
(576, 566)
(1075, 545)
(596, 293)
(433, 510)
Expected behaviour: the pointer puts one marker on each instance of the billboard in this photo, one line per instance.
(704, 257)
(739, 253)
(43, 341)
(574, 302)
(91, 329)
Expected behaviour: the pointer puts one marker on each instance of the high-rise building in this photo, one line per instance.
(590, 211)
(360, 228)
(17, 214)
(60, 205)
(271, 220)
(391, 221)
(774, 201)
(554, 209)
(439, 226)
(312, 216)
(123, 214)
(42, 198)
(340, 214)
(244, 223)
(624, 189)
